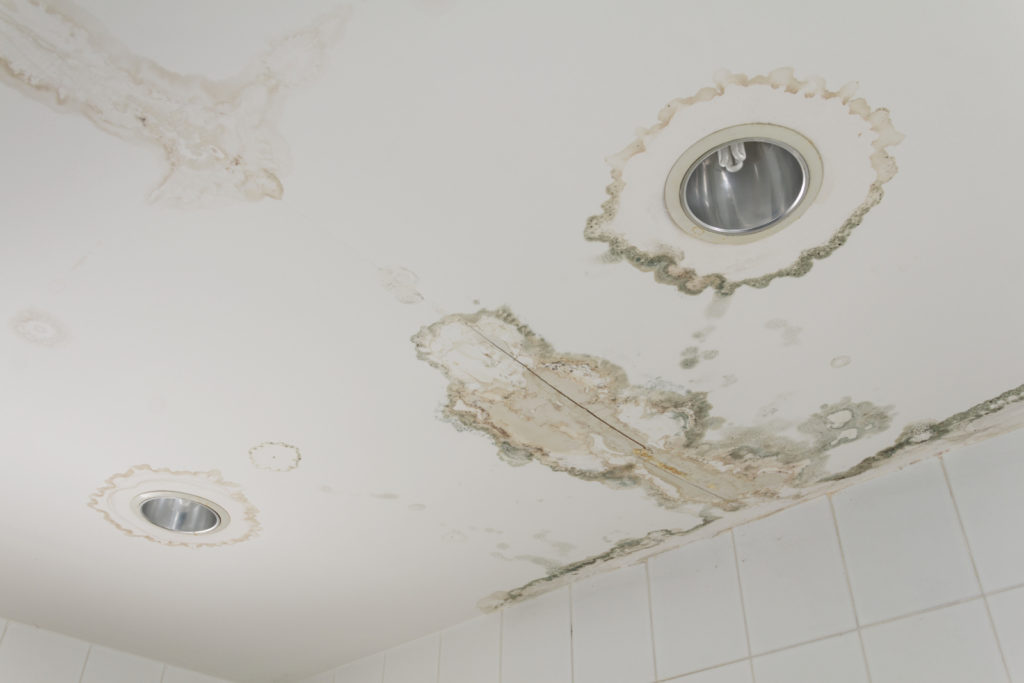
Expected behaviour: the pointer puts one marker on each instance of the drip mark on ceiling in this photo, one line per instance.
(39, 328)
(275, 456)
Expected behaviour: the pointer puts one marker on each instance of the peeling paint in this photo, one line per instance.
(39, 328)
(667, 264)
(275, 456)
(580, 415)
(219, 137)
(977, 422)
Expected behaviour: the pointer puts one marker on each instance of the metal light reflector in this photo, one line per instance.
(179, 512)
(743, 182)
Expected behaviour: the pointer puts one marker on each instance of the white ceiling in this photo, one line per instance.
(194, 265)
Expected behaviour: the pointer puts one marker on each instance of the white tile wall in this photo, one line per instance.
(112, 666)
(986, 480)
(837, 659)
(791, 571)
(469, 652)
(33, 655)
(414, 662)
(366, 670)
(611, 628)
(1008, 615)
(536, 644)
(738, 672)
(696, 607)
(951, 645)
(898, 531)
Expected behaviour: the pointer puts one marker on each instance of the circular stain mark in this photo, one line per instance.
(39, 328)
(275, 456)
(840, 361)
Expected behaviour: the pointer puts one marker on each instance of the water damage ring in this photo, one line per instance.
(852, 139)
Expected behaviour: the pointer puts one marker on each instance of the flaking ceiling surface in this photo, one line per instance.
(329, 263)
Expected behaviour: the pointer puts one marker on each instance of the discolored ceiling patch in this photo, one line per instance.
(580, 415)
(39, 328)
(852, 138)
(275, 456)
(219, 137)
(117, 500)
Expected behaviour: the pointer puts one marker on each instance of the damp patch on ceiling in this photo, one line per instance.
(275, 456)
(579, 415)
(117, 501)
(39, 328)
(852, 138)
(219, 137)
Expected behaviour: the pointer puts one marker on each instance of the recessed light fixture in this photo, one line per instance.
(743, 182)
(180, 512)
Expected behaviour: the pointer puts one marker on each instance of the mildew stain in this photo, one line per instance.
(667, 266)
(39, 328)
(275, 456)
(219, 137)
(956, 427)
(580, 415)
(559, 575)
(692, 355)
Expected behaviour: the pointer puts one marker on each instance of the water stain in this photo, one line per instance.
(667, 265)
(417, 507)
(275, 456)
(219, 137)
(692, 355)
(790, 333)
(385, 496)
(840, 361)
(116, 502)
(401, 282)
(580, 415)
(559, 575)
(39, 328)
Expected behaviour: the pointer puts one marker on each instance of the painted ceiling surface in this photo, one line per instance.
(394, 285)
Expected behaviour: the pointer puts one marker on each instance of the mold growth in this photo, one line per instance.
(579, 415)
(666, 263)
(39, 328)
(219, 137)
(558, 575)
(116, 500)
(692, 355)
(275, 456)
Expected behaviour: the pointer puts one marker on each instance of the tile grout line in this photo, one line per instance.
(926, 610)
(974, 566)
(849, 587)
(501, 641)
(998, 591)
(650, 618)
(440, 640)
(85, 663)
(572, 639)
(743, 604)
(680, 677)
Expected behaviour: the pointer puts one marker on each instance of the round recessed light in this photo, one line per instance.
(743, 182)
(179, 512)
